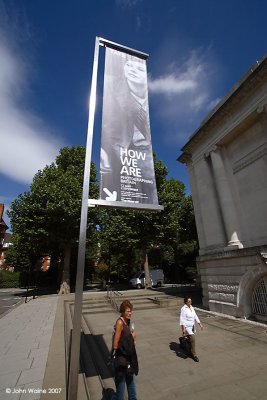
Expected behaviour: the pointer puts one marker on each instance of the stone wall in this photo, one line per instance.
(228, 279)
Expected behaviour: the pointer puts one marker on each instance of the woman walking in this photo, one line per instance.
(125, 358)
(188, 317)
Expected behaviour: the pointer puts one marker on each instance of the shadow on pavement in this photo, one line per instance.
(175, 347)
(39, 291)
(96, 363)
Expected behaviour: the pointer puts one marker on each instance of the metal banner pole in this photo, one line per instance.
(76, 332)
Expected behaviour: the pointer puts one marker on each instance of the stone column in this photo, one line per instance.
(198, 216)
(208, 208)
(225, 198)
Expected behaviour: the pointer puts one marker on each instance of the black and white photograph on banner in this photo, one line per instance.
(126, 165)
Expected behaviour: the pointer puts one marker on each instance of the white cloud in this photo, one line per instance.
(185, 78)
(27, 144)
(171, 84)
(127, 3)
(182, 95)
(199, 101)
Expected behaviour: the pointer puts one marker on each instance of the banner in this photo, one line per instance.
(126, 159)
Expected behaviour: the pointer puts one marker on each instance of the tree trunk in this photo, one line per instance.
(146, 269)
(65, 280)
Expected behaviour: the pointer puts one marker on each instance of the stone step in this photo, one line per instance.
(95, 306)
(100, 311)
(146, 302)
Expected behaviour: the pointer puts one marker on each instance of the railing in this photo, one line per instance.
(259, 298)
(112, 296)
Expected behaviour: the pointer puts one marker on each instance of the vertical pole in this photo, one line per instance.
(76, 332)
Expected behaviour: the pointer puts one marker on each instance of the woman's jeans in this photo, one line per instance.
(120, 381)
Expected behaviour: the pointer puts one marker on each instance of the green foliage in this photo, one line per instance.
(9, 279)
(46, 219)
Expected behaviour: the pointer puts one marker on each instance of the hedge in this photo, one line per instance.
(9, 279)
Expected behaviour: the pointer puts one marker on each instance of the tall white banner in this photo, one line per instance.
(126, 165)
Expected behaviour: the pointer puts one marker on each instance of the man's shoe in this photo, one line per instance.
(195, 358)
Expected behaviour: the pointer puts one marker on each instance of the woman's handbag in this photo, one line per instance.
(185, 343)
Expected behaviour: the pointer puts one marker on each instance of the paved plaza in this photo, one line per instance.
(232, 353)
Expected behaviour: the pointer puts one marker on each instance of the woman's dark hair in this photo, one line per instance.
(125, 304)
(186, 299)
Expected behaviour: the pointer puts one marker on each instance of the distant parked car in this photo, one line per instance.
(156, 276)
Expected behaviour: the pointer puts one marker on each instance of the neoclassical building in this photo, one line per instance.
(227, 163)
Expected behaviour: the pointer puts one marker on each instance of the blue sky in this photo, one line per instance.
(198, 49)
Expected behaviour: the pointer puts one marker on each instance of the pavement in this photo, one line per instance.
(34, 344)
(25, 336)
(9, 298)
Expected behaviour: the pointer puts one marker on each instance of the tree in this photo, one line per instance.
(165, 239)
(117, 241)
(47, 218)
